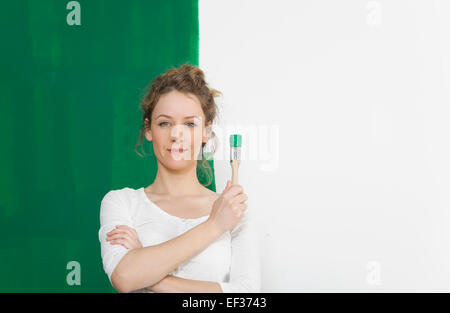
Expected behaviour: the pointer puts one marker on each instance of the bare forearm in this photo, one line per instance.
(146, 266)
(171, 284)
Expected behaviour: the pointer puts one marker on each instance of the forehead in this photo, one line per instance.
(178, 105)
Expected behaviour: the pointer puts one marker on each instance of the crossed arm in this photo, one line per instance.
(244, 269)
(127, 237)
(172, 283)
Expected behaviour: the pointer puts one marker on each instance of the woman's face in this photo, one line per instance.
(177, 129)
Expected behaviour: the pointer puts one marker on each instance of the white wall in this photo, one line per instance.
(359, 198)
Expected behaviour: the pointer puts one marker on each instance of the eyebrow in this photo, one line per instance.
(186, 117)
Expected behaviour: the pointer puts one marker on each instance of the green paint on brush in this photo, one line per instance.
(235, 147)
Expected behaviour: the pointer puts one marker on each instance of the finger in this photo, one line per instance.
(238, 200)
(241, 198)
(234, 190)
(127, 242)
(132, 243)
(239, 208)
(116, 231)
(122, 242)
(240, 214)
(118, 236)
(227, 186)
(131, 229)
(125, 227)
(116, 242)
(126, 230)
(122, 234)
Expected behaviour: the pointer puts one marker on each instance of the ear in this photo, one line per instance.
(148, 132)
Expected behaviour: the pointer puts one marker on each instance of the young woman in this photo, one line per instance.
(176, 235)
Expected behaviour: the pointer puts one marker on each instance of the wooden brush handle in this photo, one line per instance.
(234, 172)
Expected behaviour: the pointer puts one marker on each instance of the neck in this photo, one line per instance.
(177, 183)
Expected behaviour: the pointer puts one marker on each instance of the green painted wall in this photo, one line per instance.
(69, 122)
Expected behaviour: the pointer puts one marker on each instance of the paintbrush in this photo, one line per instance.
(235, 156)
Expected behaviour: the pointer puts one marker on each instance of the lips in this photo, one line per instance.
(176, 150)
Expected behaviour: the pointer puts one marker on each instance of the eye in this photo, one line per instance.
(161, 124)
(192, 123)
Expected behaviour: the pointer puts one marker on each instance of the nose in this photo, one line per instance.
(177, 134)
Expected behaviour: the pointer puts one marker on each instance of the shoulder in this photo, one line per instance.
(119, 195)
(120, 203)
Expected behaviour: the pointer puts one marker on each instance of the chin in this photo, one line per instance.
(173, 163)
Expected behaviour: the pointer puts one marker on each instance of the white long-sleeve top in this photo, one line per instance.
(232, 260)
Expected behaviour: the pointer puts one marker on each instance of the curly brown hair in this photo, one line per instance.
(188, 79)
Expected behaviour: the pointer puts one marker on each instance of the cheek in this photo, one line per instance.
(159, 139)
